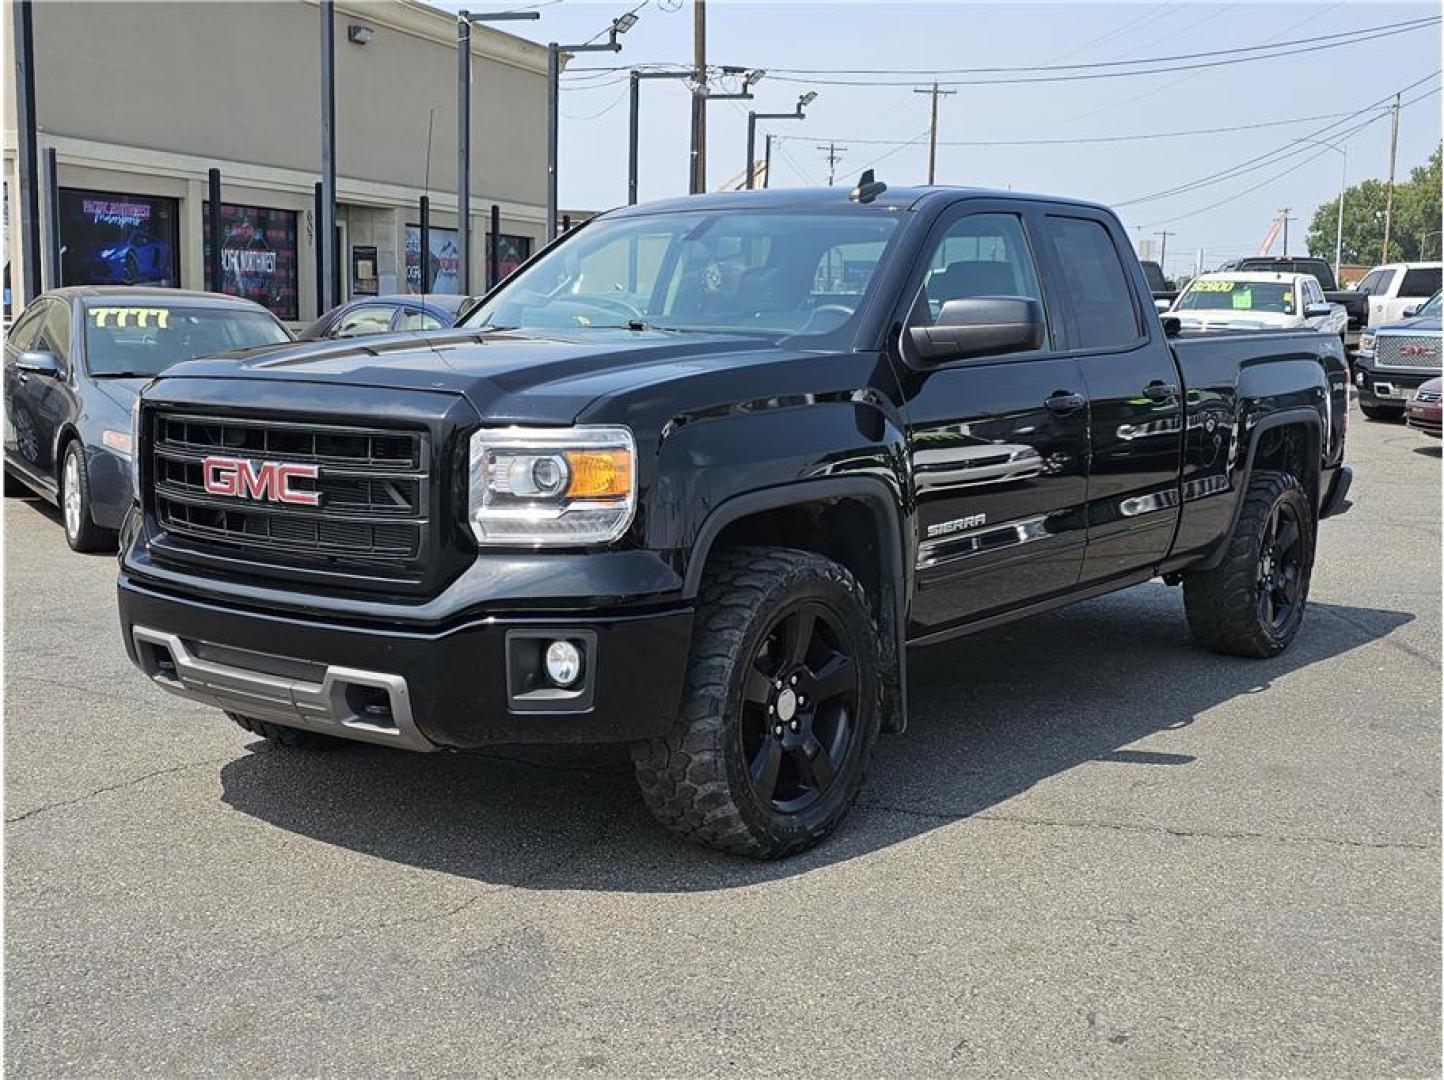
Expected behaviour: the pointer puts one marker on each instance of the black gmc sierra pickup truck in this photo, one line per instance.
(697, 475)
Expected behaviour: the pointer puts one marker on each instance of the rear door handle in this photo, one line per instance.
(1063, 402)
(1160, 391)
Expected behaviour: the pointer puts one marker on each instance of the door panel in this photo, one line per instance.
(998, 445)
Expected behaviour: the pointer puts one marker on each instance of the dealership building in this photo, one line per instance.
(140, 101)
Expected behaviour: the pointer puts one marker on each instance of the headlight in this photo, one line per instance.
(1366, 343)
(557, 486)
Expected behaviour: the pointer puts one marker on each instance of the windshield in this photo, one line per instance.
(1274, 297)
(145, 339)
(729, 271)
(1430, 309)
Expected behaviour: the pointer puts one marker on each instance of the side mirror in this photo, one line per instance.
(34, 362)
(981, 326)
(1162, 305)
(1318, 311)
(1410, 312)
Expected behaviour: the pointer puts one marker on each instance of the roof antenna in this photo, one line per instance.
(867, 188)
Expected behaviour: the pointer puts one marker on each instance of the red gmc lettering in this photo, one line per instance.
(270, 481)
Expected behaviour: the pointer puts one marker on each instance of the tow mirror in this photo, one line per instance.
(34, 362)
(1318, 311)
(981, 326)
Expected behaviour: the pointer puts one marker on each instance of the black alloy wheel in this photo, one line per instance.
(799, 708)
(1281, 567)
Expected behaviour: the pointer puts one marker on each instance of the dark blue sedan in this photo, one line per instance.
(75, 361)
(369, 315)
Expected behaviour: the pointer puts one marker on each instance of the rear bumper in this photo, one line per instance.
(451, 688)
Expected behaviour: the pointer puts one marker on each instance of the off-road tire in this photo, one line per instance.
(288, 737)
(1381, 412)
(695, 779)
(1223, 603)
(82, 534)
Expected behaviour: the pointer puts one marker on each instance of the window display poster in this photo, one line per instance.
(512, 252)
(258, 256)
(442, 263)
(363, 270)
(108, 238)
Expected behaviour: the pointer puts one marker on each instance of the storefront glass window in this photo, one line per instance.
(258, 256)
(108, 238)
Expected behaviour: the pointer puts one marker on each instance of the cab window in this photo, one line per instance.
(979, 255)
(1103, 314)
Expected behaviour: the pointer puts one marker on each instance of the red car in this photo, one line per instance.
(1423, 409)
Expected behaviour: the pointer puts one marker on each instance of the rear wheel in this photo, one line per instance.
(1253, 602)
(1381, 412)
(781, 709)
(288, 737)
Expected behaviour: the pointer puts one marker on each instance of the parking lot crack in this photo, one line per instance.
(1191, 834)
(60, 804)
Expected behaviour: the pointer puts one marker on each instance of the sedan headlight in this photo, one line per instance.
(552, 486)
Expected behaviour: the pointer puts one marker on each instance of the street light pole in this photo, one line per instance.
(634, 122)
(752, 118)
(620, 25)
(1343, 152)
(464, 19)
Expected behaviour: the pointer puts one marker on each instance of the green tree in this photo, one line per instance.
(1415, 231)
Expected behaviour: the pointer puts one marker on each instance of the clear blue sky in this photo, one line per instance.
(884, 35)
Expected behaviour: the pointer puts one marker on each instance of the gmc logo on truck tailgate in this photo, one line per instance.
(266, 481)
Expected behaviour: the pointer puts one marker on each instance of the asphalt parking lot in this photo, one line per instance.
(1097, 850)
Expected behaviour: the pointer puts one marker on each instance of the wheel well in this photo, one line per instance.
(67, 436)
(1294, 449)
(847, 531)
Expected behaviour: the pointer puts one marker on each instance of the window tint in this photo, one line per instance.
(367, 319)
(23, 334)
(1103, 311)
(980, 255)
(416, 319)
(1420, 283)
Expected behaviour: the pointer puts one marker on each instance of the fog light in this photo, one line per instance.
(1359, 378)
(564, 663)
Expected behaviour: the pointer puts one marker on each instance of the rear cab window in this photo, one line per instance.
(1103, 313)
(1420, 282)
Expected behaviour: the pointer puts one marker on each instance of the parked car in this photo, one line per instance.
(1260, 300)
(1395, 288)
(387, 314)
(139, 257)
(1158, 285)
(1423, 410)
(74, 362)
(1394, 360)
(1352, 301)
(710, 523)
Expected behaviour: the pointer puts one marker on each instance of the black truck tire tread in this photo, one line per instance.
(683, 775)
(1221, 613)
(288, 737)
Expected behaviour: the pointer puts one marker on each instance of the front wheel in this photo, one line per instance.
(781, 707)
(81, 531)
(1252, 603)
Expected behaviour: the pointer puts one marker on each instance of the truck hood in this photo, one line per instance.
(1420, 324)
(508, 376)
(1236, 320)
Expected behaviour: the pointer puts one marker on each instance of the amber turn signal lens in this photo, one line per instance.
(599, 474)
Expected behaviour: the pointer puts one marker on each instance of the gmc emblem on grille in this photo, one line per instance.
(1415, 350)
(267, 481)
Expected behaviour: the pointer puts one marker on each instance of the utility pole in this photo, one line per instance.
(1389, 198)
(933, 130)
(1163, 250)
(699, 97)
(834, 155)
(1285, 219)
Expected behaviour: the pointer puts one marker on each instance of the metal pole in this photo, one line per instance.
(27, 158)
(751, 150)
(699, 97)
(1389, 199)
(632, 136)
(767, 163)
(463, 157)
(52, 215)
(1339, 233)
(553, 92)
(1284, 213)
(425, 254)
(493, 249)
(320, 249)
(213, 225)
(327, 225)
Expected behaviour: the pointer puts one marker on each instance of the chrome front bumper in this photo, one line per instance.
(348, 703)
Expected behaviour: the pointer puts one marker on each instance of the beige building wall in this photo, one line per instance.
(142, 98)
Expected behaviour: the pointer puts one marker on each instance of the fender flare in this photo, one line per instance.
(882, 501)
(1301, 415)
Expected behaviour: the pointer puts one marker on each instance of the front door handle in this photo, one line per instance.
(1160, 391)
(1064, 402)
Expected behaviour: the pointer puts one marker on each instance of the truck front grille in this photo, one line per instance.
(1407, 352)
(370, 488)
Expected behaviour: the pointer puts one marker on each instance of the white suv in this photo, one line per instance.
(1395, 287)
